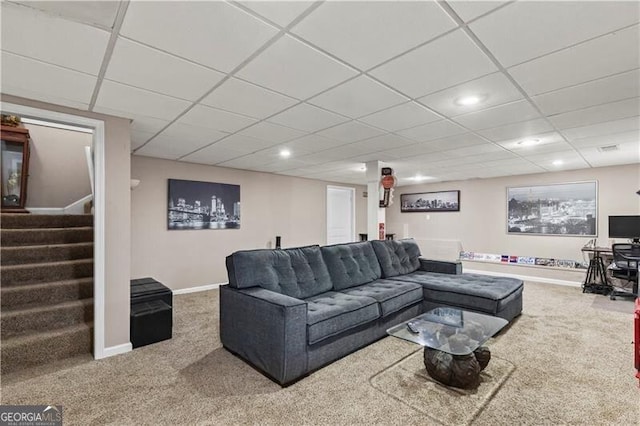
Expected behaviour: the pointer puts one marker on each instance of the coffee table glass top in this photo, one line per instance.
(450, 330)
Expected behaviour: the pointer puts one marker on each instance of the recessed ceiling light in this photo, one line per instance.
(528, 142)
(558, 162)
(469, 100)
(285, 153)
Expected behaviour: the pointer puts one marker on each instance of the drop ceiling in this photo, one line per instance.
(338, 84)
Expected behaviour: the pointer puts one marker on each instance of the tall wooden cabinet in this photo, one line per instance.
(14, 168)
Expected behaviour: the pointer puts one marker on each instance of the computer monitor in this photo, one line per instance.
(625, 227)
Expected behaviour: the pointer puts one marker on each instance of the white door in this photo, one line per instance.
(341, 215)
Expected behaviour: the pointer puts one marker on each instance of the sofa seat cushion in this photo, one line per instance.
(391, 295)
(331, 313)
(397, 257)
(472, 291)
(351, 264)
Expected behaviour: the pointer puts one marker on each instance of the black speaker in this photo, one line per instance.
(278, 242)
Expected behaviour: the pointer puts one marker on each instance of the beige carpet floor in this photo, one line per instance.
(573, 365)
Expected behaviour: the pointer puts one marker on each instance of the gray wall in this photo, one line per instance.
(58, 174)
(480, 226)
(293, 208)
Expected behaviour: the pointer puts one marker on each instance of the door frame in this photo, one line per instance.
(98, 205)
(353, 210)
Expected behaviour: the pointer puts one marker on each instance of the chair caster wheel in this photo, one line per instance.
(612, 297)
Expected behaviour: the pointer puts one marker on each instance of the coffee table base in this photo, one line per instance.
(461, 371)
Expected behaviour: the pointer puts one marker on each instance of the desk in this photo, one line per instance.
(596, 280)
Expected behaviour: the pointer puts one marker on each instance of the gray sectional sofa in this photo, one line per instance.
(289, 312)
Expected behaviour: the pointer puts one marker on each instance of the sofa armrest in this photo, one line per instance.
(267, 329)
(440, 266)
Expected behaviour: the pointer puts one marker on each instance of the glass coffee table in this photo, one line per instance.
(452, 340)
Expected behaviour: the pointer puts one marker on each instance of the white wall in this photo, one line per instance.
(293, 208)
(480, 226)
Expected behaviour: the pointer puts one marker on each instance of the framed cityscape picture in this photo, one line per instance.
(202, 205)
(569, 209)
(441, 201)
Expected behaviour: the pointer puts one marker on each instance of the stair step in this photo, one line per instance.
(18, 321)
(46, 293)
(33, 273)
(45, 253)
(39, 348)
(42, 236)
(21, 221)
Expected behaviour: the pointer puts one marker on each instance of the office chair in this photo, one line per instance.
(625, 266)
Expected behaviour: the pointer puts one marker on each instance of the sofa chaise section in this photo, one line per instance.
(444, 284)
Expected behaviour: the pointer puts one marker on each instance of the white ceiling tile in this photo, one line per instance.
(280, 12)
(410, 151)
(627, 153)
(570, 160)
(604, 90)
(468, 10)
(493, 89)
(178, 140)
(402, 116)
(367, 33)
(443, 63)
(517, 130)
(380, 143)
(498, 116)
(457, 141)
(607, 139)
(274, 152)
(101, 13)
(358, 97)
(597, 114)
(295, 69)
(33, 79)
(601, 129)
(213, 154)
(272, 132)
(312, 143)
(580, 63)
(243, 143)
(214, 34)
(375, 156)
(34, 34)
(248, 99)
(138, 138)
(116, 96)
(352, 131)
(436, 130)
(485, 148)
(246, 161)
(147, 124)
(544, 142)
(307, 117)
(213, 118)
(536, 28)
(151, 69)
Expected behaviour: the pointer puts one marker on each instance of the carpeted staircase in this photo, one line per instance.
(46, 266)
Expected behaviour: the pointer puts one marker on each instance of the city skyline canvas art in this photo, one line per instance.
(440, 201)
(557, 209)
(202, 205)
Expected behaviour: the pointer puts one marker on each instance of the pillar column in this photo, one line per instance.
(375, 214)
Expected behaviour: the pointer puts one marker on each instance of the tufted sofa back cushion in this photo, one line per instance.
(297, 272)
(397, 257)
(351, 264)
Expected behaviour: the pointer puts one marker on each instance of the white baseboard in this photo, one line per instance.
(116, 350)
(198, 288)
(526, 278)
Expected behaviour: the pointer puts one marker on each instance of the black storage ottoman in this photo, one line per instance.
(151, 312)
